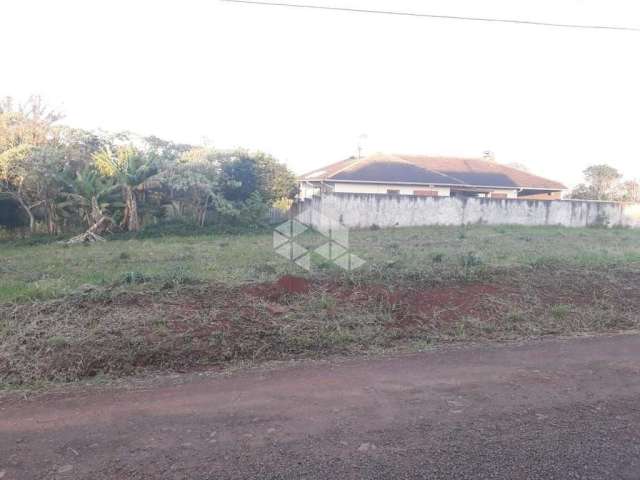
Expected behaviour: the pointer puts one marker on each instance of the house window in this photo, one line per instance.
(425, 193)
(498, 195)
(393, 192)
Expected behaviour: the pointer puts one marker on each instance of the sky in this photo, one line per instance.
(304, 85)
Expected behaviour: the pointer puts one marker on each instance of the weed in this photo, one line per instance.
(437, 257)
(560, 312)
(134, 277)
(57, 342)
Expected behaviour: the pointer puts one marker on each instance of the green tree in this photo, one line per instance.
(132, 171)
(244, 172)
(631, 191)
(30, 157)
(86, 194)
(602, 183)
(194, 182)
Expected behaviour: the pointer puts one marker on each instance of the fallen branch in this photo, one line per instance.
(90, 235)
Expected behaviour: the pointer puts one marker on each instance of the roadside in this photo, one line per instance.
(554, 408)
(103, 335)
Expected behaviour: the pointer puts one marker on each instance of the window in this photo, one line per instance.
(393, 192)
(498, 195)
(425, 193)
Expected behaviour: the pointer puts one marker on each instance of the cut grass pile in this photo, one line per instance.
(211, 324)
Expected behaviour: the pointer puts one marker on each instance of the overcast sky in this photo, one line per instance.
(304, 84)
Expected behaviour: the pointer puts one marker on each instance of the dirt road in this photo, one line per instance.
(549, 409)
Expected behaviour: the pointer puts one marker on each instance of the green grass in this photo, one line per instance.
(41, 271)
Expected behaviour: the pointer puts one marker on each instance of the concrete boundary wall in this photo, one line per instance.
(366, 210)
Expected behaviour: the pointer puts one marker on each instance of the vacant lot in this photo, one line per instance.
(185, 302)
(428, 255)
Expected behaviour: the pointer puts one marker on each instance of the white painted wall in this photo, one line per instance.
(308, 190)
(365, 210)
(381, 188)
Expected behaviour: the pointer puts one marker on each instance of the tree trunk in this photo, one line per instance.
(32, 220)
(50, 212)
(131, 222)
(96, 213)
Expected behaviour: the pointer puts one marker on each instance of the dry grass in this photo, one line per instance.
(118, 333)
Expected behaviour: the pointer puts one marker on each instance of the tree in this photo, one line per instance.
(631, 191)
(132, 171)
(244, 172)
(30, 157)
(602, 183)
(86, 193)
(239, 177)
(195, 181)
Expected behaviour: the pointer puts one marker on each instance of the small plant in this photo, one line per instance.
(134, 277)
(124, 256)
(326, 302)
(57, 342)
(560, 312)
(437, 257)
(470, 260)
(178, 275)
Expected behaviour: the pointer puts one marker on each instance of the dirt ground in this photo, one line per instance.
(98, 333)
(545, 409)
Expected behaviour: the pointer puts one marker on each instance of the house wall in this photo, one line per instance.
(381, 188)
(508, 193)
(542, 196)
(308, 190)
(365, 210)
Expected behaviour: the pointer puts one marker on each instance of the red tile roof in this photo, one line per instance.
(415, 169)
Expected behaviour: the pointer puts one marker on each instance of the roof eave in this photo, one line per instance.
(435, 184)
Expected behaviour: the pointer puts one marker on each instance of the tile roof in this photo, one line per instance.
(416, 169)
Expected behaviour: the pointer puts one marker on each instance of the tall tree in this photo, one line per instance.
(194, 182)
(631, 191)
(30, 156)
(602, 183)
(132, 171)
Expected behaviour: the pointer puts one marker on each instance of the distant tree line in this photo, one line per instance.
(60, 179)
(603, 182)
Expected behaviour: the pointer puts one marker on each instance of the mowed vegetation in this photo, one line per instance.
(179, 302)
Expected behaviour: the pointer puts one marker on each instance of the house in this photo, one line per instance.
(428, 176)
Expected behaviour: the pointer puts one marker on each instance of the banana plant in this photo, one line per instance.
(133, 173)
(88, 191)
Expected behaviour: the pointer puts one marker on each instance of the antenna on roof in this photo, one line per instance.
(361, 140)
(489, 156)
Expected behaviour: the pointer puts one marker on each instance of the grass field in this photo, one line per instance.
(434, 254)
(177, 303)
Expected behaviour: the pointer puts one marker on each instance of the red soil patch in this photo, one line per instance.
(406, 305)
(291, 284)
(276, 291)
